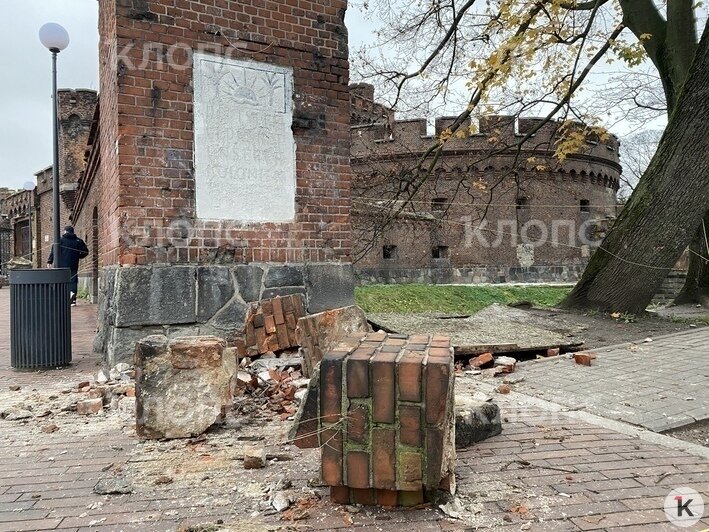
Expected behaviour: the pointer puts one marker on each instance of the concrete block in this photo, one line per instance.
(475, 421)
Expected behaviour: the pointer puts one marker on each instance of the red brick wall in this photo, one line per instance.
(146, 177)
(477, 178)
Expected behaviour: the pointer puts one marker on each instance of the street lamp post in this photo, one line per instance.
(55, 38)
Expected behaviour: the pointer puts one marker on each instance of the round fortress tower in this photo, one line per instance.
(497, 207)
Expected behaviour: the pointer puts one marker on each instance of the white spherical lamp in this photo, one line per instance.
(54, 37)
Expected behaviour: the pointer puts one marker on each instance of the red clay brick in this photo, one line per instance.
(358, 469)
(384, 459)
(437, 382)
(278, 316)
(383, 384)
(340, 494)
(419, 339)
(409, 377)
(331, 387)
(482, 360)
(434, 455)
(410, 425)
(358, 423)
(410, 471)
(439, 351)
(332, 457)
(387, 497)
(358, 375)
(363, 496)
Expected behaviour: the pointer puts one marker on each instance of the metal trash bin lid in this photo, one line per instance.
(40, 276)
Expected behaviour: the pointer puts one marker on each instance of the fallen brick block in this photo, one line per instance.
(380, 407)
(183, 386)
(482, 360)
(271, 324)
(319, 333)
(584, 359)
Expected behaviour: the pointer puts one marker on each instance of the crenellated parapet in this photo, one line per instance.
(17, 204)
(491, 143)
(363, 108)
(491, 134)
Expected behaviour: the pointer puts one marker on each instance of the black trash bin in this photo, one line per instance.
(40, 318)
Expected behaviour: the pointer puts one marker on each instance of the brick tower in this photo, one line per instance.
(221, 169)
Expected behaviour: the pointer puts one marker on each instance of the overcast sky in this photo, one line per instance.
(26, 88)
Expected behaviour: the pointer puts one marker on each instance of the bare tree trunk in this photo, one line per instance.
(661, 218)
(696, 288)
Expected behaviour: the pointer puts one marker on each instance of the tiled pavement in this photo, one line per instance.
(660, 385)
(548, 470)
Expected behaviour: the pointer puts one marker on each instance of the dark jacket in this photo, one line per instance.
(73, 249)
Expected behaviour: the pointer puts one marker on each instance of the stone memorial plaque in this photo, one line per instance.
(244, 149)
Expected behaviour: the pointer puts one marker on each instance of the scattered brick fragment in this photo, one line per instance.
(584, 359)
(89, 406)
(482, 360)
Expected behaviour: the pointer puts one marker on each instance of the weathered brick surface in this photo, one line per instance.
(370, 390)
(319, 333)
(271, 324)
(146, 141)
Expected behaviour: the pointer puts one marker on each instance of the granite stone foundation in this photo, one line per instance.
(196, 300)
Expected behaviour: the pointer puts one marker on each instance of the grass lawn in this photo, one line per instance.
(417, 298)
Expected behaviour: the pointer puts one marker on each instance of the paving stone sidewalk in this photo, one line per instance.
(660, 385)
(548, 470)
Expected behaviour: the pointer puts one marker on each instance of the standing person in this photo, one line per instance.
(73, 249)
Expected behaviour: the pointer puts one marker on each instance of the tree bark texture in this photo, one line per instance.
(663, 213)
(696, 288)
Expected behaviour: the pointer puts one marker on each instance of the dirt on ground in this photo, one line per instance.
(529, 327)
(599, 330)
(695, 433)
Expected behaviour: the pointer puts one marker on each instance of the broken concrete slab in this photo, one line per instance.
(475, 421)
(183, 386)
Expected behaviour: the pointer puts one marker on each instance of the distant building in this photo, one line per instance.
(489, 211)
(26, 216)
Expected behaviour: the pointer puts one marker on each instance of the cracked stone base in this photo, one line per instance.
(197, 300)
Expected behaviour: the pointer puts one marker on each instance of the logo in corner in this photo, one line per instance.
(684, 507)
